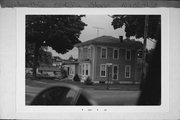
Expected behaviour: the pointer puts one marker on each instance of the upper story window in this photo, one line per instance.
(127, 71)
(128, 54)
(115, 53)
(104, 52)
(84, 52)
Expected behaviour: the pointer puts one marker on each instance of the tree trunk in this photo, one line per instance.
(35, 62)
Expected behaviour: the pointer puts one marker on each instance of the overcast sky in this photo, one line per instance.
(102, 21)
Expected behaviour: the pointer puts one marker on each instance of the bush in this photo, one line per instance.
(88, 81)
(76, 78)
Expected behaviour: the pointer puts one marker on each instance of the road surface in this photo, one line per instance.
(103, 97)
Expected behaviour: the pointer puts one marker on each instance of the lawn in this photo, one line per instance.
(47, 82)
(116, 95)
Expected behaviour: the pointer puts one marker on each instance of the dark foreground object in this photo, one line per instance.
(63, 94)
(151, 85)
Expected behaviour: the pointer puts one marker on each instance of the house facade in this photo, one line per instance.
(110, 59)
(71, 68)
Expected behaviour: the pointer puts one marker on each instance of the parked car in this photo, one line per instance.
(64, 94)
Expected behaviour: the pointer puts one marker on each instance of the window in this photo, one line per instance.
(115, 53)
(115, 72)
(102, 70)
(127, 71)
(85, 68)
(103, 52)
(128, 54)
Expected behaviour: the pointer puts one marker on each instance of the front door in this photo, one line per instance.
(115, 72)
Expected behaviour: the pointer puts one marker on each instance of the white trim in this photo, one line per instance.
(101, 52)
(117, 53)
(129, 71)
(117, 71)
(126, 54)
(101, 70)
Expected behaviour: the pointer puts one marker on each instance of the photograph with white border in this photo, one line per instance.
(99, 60)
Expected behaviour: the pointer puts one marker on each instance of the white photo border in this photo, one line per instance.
(55, 112)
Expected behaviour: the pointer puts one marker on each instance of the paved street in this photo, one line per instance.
(103, 97)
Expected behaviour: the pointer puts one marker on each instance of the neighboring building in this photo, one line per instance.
(49, 71)
(96, 54)
(71, 68)
(57, 61)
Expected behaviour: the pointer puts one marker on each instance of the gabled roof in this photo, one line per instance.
(110, 41)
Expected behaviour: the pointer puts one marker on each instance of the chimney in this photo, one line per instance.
(121, 39)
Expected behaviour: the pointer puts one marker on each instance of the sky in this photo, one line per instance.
(89, 32)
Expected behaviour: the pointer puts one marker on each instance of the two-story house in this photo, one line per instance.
(108, 58)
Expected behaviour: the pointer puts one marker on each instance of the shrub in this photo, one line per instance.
(88, 81)
(76, 78)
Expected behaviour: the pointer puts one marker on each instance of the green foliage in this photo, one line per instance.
(134, 25)
(76, 78)
(60, 32)
(88, 81)
(29, 55)
(44, 57)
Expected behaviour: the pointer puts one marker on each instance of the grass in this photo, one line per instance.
(47, 82)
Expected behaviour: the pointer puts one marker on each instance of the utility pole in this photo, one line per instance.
(144, 44)
(98, 28)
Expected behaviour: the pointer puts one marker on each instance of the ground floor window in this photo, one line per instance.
(85, 69)
(103, 70)
(127, 71)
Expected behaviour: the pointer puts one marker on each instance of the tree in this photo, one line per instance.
(134, 25)
(44, 56)
(60, 32)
